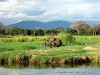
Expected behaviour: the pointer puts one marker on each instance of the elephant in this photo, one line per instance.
(53, 42)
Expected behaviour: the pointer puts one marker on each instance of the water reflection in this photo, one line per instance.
(41, 66)
(80, 70)
(50, 69)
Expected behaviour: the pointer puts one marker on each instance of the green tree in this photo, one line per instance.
(98, 32)
(71, 31)
(14, 30)
(51, 32)
(1, 28)
(38, 32)
(27, 32)
(47, 32)
(86, 31)
(59, 30)
(6, 30)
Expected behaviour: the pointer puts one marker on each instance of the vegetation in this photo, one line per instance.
(76, 28)
(66, 38)
(79, 25)
(25, 46)
(18, 49)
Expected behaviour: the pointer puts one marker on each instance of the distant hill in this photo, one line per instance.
(38, 24)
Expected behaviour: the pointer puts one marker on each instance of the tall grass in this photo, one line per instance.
(88, 40)
(22, 39)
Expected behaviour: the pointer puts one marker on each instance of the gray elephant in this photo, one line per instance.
(53, 42)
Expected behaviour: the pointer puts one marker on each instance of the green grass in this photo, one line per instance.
(13, 46)
(21, 46)
(22, 39)
(88, 39)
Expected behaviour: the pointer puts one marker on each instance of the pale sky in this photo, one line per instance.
(13, 11)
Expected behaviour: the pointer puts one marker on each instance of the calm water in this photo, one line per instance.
(82, 70)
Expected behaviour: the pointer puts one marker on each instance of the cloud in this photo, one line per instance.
(34, 12)
(48, 10)
(7, 4)
(2, 0)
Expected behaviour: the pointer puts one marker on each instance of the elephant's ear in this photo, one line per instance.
(51, 39)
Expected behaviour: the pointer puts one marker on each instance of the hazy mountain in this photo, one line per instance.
(38, 24)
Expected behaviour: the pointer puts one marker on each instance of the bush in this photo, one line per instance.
(66, 38)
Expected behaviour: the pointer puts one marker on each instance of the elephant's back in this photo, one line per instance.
(58, 42)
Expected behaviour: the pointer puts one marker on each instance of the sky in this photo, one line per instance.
(13, 11)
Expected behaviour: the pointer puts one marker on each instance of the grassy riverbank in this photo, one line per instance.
(30, 49)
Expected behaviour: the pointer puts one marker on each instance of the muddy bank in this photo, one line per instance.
(27, 60)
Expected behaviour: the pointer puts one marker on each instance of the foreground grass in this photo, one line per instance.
(18, 48)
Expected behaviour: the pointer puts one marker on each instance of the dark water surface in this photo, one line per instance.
(80, 70)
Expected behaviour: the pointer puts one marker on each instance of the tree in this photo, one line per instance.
(6, 30)
(86, 31)
(47, 32)
(38, 32)
(2, 29)
(14, 30)
(98, 32)
(60, 29)
(1, 25)
(78, 25)
(51, 32)
(71, 31)
(94, 29)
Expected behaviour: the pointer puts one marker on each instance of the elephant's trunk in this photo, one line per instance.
(45, 44)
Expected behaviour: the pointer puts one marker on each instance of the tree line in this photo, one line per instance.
(76, 28)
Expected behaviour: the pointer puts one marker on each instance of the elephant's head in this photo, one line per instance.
(49, 39)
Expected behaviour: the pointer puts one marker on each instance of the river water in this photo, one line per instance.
(80, 70)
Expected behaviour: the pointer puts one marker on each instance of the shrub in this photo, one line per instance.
(66, 38)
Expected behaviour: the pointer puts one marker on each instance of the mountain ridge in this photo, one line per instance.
(48, 25)
(43, 25)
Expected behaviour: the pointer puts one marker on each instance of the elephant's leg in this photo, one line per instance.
(53, 44)
(49, 45)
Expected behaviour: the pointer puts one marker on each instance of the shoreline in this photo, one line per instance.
(27, 60)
